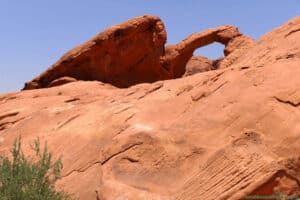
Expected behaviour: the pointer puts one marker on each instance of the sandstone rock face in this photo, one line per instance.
(234, 50)
(133, 52)
(178, 55)
(222, 134)
(198, 64)
(124, 55)
(61, 81)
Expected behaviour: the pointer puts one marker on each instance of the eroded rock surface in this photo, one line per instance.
(198, 64)
(123, 55)
(223, 134)
(134, 52)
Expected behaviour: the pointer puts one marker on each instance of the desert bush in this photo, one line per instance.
(22, 178)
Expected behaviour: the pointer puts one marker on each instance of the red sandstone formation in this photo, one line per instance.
(133, 52)
(198, 64)
(123, 55)
(223, 134)
(235, 49)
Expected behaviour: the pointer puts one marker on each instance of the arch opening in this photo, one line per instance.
(205, 58)
(212, 51)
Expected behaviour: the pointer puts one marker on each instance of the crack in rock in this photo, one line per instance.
(129, 117)
(184, 89)
(205, 93)
(292, 32)
(154, 88)
(102, 162)
(132, 160)
(67, 121)
(5, 125)
(10, 114)
(122, 151)
(219, 87)
(121, 130)
(122, 110)
(72, 100)
(291, 103)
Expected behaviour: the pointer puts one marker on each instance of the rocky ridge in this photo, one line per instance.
(134, 52)
(219, 134)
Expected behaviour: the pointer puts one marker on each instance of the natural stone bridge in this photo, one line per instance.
(134, 52)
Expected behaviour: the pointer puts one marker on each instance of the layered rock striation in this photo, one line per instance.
(225, 134)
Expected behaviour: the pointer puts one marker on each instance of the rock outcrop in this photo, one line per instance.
(234, 50)
(198, 64)
(134, 52)
(123, 55)
(224, 134)
(178, 55)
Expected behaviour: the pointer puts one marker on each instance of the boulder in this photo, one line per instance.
(198, 64)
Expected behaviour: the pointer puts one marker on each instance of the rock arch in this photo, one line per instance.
(134, 52)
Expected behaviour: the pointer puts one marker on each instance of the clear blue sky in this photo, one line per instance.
(35, 33)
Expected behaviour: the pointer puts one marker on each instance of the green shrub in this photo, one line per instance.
(30, 179)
